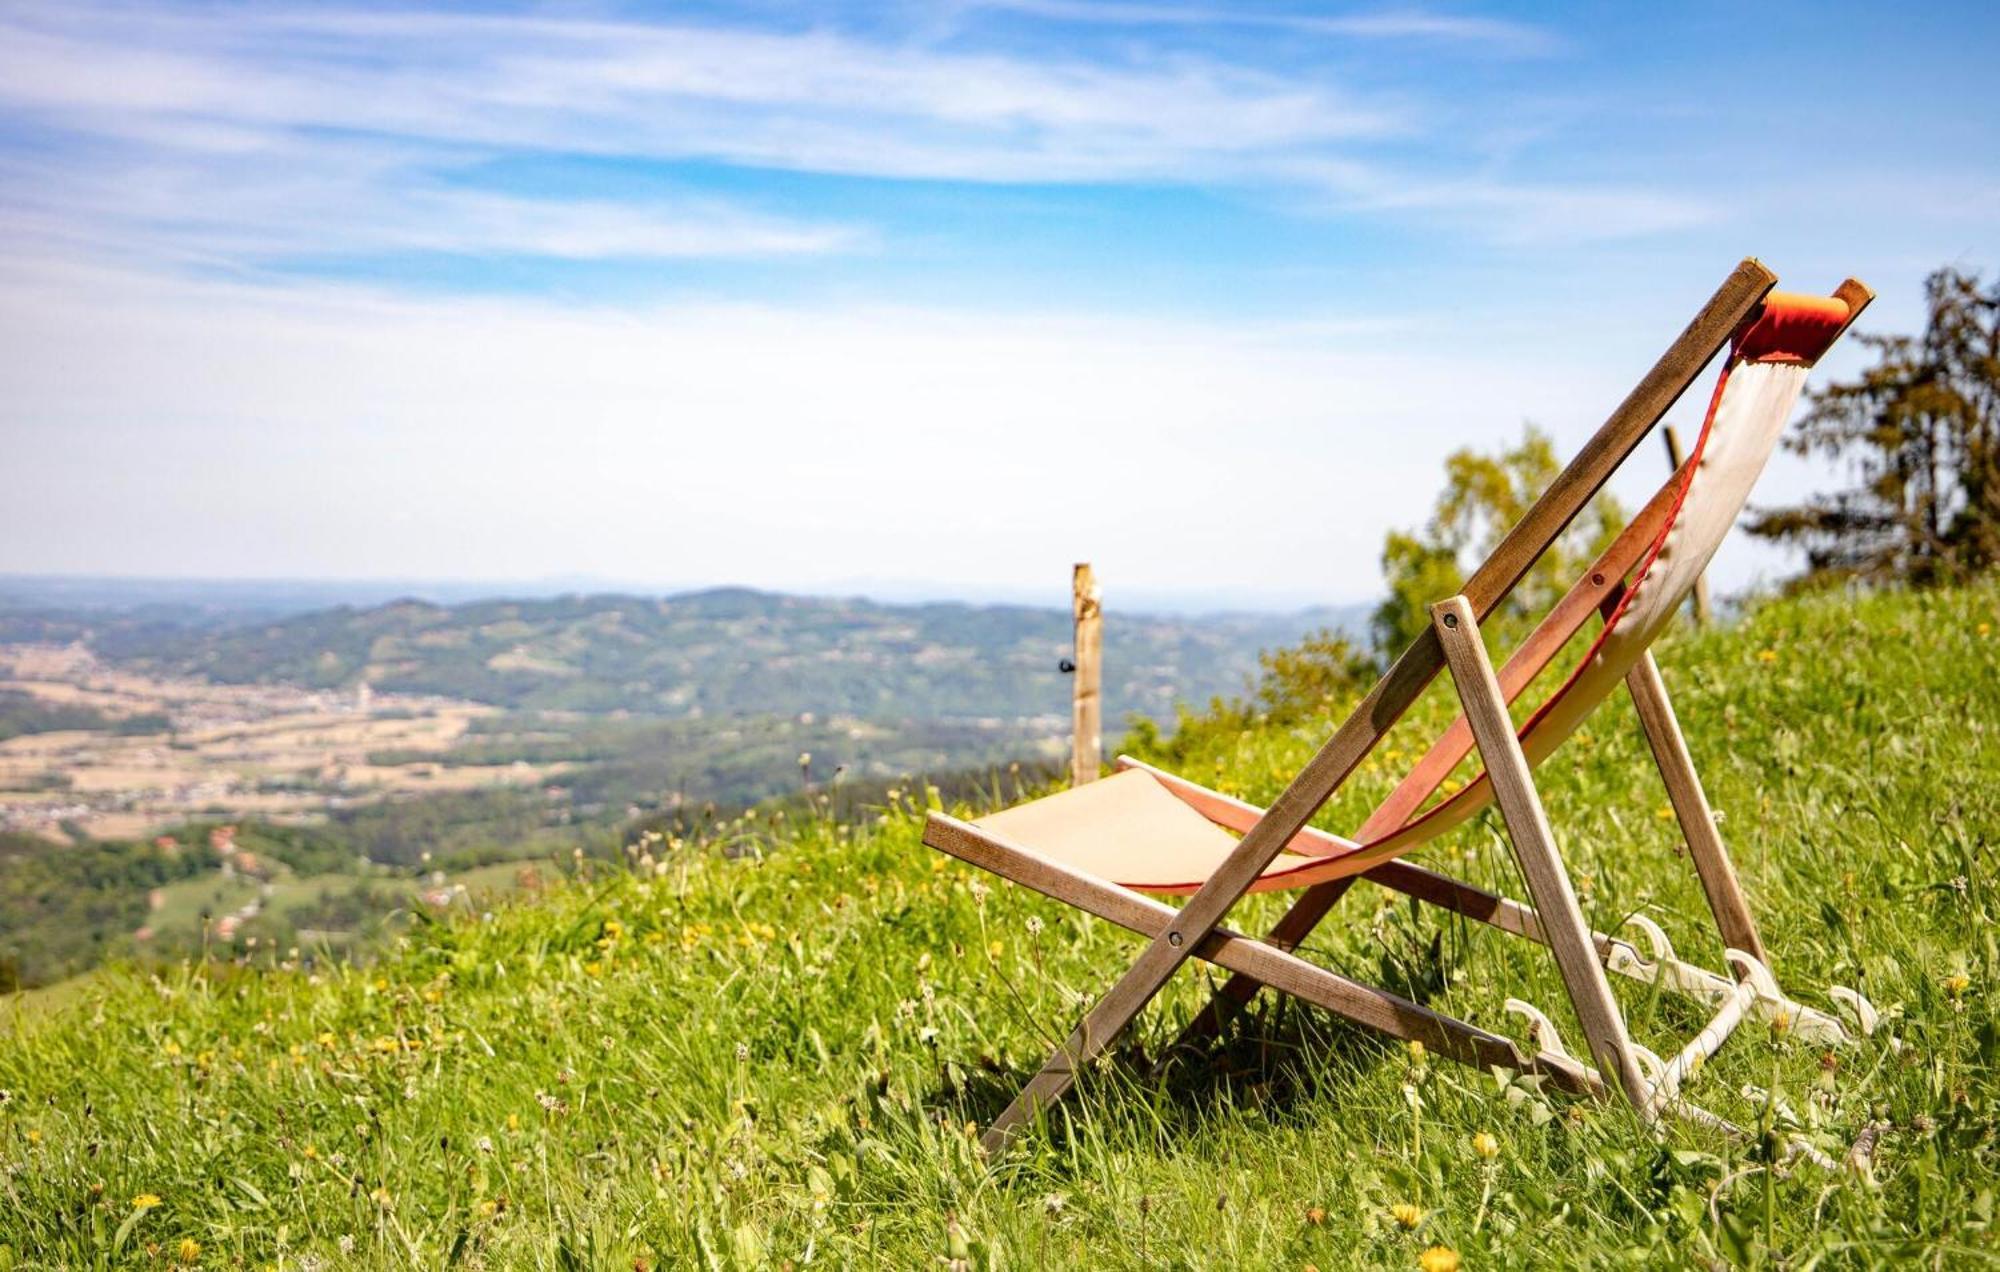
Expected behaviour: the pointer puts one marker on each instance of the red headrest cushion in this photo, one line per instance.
(1792, 328)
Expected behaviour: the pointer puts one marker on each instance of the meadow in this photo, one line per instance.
(771, 1047)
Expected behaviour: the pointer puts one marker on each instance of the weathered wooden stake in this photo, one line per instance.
(1675, 458)
(1086, 709)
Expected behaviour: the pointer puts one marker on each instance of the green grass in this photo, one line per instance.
(185, 902)
(748, 1060)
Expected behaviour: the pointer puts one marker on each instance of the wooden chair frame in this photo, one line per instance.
(1452, 644)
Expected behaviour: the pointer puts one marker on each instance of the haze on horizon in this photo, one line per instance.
(913, 296)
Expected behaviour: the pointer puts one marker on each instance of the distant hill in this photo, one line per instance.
(727, 652)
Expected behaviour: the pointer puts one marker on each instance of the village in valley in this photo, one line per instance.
(171, 749)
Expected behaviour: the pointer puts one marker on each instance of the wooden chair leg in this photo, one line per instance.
(1562, 920)
(1690, 804)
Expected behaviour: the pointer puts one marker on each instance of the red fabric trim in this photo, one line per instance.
(1265, 883)
(1604, 633)
(1792, 328)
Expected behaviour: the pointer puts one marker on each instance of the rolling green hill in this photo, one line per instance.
(730, 652)
(764, 1047)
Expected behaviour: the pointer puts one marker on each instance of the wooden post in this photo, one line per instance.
(1086, 707)
(1675, 458)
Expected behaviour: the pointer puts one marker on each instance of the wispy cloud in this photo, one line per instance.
(249, 134)
(1492, 34)
(814, 100)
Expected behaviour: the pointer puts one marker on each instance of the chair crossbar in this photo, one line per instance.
(1362, 1003)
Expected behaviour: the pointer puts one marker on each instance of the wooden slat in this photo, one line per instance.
(1858, 296)
(1086, 705)
(1691, 810)
(1405, 680)
(1535, 849)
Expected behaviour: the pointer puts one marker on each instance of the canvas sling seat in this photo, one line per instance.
(1110, 847)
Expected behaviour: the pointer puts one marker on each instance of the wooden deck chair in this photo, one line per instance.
(1102, 847)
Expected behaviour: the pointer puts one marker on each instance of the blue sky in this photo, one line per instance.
(931, 297)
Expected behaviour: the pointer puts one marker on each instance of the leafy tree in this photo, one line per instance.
(1318, 678)
(1920, 434)
(1483, 496)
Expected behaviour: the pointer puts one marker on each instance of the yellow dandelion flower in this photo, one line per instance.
(1767, 655)
(487, 1209)
(1984, 628)
(381, 984)
(383, 1199)
(1957, 983)
(1664, 812)
(1416, 1051)
(996, 948)
(513, 1121)
(189, 1251)
(593, 969)
(385, 1045)
(310, 1153)
(1406, 1215)
(1438, 1259)
(170, 1048)
(34, 1135)
(145, 1201)
(1485, 1145)
(327, 1040)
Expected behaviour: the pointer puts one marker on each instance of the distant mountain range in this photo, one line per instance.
(729, 652)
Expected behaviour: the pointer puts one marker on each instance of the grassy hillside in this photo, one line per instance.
(766, 1049)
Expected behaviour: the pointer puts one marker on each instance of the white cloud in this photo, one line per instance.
(334, 432)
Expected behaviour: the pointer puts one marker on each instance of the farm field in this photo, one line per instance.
(761, 1058)
(175, 747)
